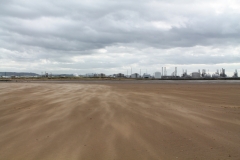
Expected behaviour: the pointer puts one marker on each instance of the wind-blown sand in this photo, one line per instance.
(119, 121)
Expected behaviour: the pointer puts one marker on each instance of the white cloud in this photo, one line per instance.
(112, 36)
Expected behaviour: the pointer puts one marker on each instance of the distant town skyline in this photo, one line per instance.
(114, 36)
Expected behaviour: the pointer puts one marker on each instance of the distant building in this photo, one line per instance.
(216, 74)
(145, 75)
(170, 77)
(235, 74)
(101, 75)
(127, 76)
(157, 75)
(222, 74)
(90, 75)
(205, 74)
(95, 75)
(135, 75)
(6, 76)
(119, 75)
(185, 75)
(75, 75)
(18, 74)
(196, 75)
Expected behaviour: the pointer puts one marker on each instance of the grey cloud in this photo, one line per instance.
(60, 30)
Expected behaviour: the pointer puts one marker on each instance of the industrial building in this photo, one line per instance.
(196, 75)
(146, 75)
(185, 75)
(135, 75)
(164, 71)
(219, 74)
(95, 75)
(235, 74)
(18, 74)
(119, 75)
(222, 74)
(175, 72)
(157, 75)
(91, 75)
(216, 74)
(101, 75)
(205, 74)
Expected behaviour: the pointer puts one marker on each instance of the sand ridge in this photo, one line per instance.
(119, 121)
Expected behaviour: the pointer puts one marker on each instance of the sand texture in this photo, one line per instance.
(54, 121)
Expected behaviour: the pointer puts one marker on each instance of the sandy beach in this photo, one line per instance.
(71, 121)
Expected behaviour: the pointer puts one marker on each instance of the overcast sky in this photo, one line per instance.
(113, 36)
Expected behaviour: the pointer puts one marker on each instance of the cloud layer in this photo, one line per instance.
(112, 36)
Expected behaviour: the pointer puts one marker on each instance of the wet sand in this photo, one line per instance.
(62, 121)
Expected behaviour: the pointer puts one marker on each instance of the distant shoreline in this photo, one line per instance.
(111, 79)
(130, 81)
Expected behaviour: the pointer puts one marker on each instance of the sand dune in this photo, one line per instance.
(119, 121)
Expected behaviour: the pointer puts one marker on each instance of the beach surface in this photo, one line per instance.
(107, 121)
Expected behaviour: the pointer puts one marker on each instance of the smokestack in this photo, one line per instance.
(175, 71)
(162, 71)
